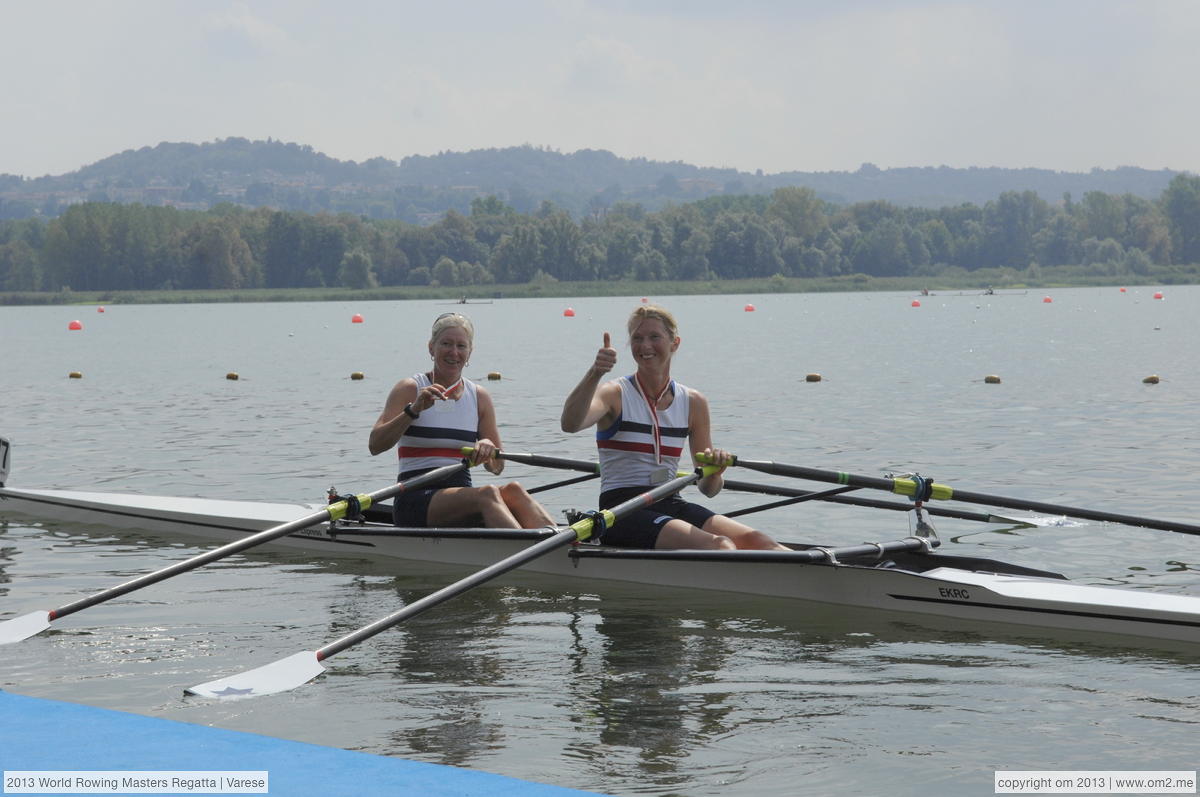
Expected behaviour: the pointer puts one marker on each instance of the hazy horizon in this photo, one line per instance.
(773, 85)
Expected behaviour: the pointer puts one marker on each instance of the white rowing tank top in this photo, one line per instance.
(437, 437)
(631, 455)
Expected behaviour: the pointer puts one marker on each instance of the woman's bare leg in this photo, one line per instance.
(524, 508)
(468, 505)
(681, 534)
(742, 535)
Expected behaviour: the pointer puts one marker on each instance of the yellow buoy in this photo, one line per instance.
(992, 379)
(75, 375)
(812, 378)
(494, 376)
(1151, 380)
(232, 376)
(356, 375)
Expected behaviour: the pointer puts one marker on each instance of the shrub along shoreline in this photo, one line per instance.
(998, 279)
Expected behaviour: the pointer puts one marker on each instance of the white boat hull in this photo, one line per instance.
(923, 584)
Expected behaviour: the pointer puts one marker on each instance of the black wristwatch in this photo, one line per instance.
(410, 412)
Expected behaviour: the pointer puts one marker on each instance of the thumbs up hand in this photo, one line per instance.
(606, 358)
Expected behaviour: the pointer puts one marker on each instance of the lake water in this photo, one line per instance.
(623, 690)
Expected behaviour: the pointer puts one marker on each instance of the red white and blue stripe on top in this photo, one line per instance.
(644, 443)
(437, 437)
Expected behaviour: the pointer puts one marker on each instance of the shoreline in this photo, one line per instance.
(999, 280)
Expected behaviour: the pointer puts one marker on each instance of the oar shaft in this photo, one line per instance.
(885, 484)
(561, 463)
(578, 531)
(576, 480)
(819, 496)
(817, 475)
(331, 512)
(874, 503)
(1077, 512)
(562, 538)
(943, 492)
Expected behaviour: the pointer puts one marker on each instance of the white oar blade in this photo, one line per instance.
(270, 679)
(1047, 521)
(23, 627)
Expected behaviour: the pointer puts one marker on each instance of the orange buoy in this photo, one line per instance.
(916, 303)
(1046, 300)
(1122, 290)
(644, 300)
(748, 308)
(100, 309)
(1158, 294)
(356, 319)
(569, 313)
(74, 325)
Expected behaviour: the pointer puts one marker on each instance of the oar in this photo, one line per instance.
(300, 668)
(590, 468)
(550, 462)
(789, 501)
(27, 625)
(910, 487)
(771, 489)
(544, 487)
(749, 487)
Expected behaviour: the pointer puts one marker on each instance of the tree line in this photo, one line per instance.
(102, 246)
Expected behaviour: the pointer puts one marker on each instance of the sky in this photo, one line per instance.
(775, 85)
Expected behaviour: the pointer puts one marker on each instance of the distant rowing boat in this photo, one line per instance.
(974, 293)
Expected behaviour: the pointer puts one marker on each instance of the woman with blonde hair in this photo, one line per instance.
(642, 423)
(430, 416)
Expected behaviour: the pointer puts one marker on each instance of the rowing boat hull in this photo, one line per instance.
(923, 584)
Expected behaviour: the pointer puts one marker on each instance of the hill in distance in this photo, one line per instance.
(421, 188)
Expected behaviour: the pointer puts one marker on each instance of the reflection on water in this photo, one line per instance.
(626, 693)
(445, 657)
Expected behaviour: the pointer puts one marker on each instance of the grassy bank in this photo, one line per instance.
(1034, 278)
